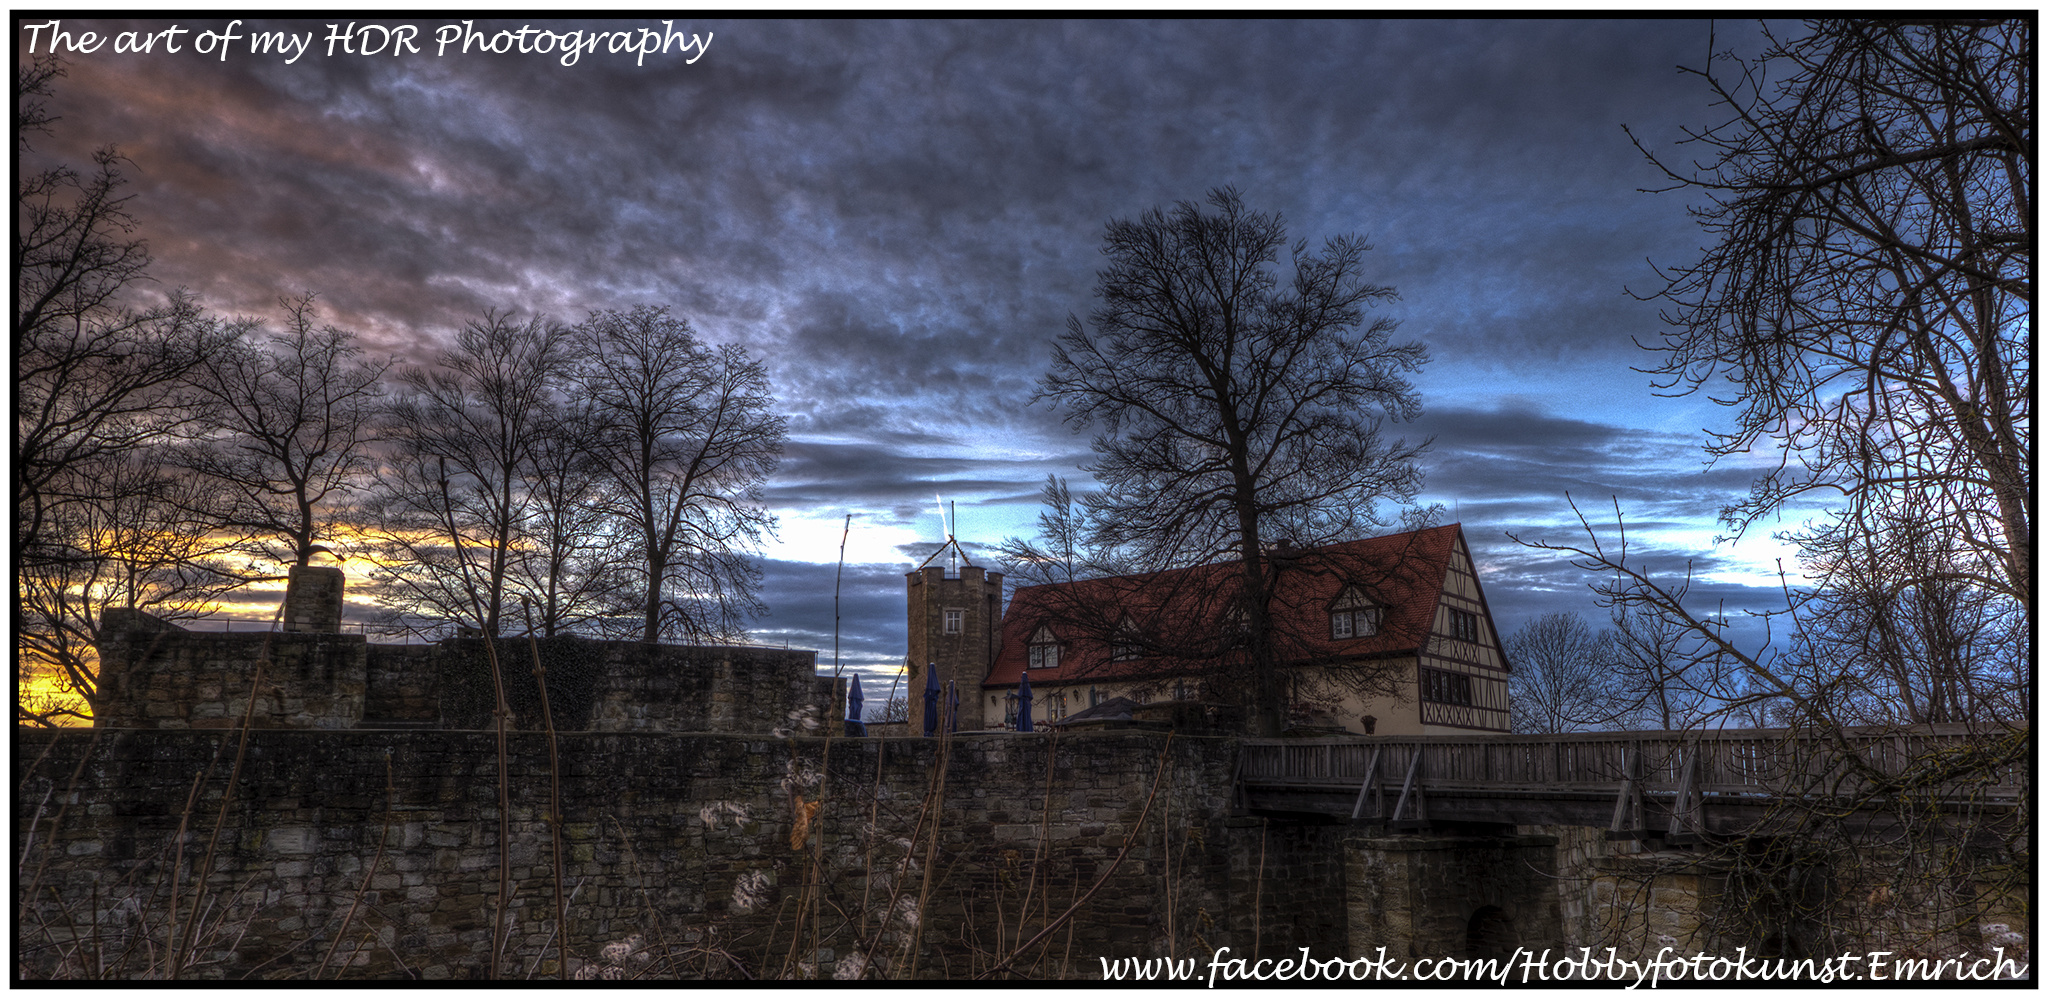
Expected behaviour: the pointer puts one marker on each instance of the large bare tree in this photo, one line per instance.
(96, 375)
(463, 439)
(1866, 305)
(287, 426)
(686, 433)
(98, 389)
(1236, 407)
(1565, 678)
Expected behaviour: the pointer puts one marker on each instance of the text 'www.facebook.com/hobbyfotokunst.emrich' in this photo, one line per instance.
(1527, 967)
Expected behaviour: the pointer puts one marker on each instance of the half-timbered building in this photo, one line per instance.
(1388, 635)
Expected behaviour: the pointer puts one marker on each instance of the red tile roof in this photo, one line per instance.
(1181, 616)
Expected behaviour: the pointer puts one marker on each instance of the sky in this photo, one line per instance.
(899, 217)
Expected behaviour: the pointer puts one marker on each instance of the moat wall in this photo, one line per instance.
(678, 842)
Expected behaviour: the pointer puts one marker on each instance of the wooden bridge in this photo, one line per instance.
(1677, 786)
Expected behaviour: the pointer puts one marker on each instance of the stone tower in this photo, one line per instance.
(955, 623)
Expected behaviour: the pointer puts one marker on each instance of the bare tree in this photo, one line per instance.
(94, 376)
(131, 542)
(288, 424)
(686, 435)
(1866, 303)
(1564, 678)
(454, 500)
(1889, 642)
(1663, 687)
(574, 568)
(1234, 411)
(97, 386)
(1064, 550)
(1869, 294)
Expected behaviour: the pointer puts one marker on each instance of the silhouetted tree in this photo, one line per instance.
(1868, 294)
(1661, 684)
(132, 541)
(288, 423)
(1235, 411)
(95, 376)
(685, 433)
(98, 382)
(575, 563)
(463, 440)
(1866, 307)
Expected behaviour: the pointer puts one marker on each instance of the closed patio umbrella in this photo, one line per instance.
(854, 726)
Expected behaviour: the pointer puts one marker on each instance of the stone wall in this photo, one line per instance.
(932, 857)
(1435, 896)
(158, 676)
(173, 678)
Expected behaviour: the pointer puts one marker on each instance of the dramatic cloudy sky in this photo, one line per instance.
(898, 218)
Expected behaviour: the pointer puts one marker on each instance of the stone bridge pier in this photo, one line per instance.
(1438, 896)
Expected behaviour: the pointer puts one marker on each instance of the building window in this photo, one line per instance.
(1355, 623)
(1445, 687)
(1010, 710)
(1094, 696)
(1045, 650)
(1180, 690)
(1056, 706)
(955, 616)
(1353, 616)
(1464, 626)
(1127, 644)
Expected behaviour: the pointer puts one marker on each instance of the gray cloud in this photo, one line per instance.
(897, 217)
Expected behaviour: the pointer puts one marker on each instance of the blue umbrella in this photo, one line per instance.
(953, 705)
(931, 698)
(1024, 703)
(853, 703)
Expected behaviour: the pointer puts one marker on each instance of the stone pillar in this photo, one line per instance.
(312, 599)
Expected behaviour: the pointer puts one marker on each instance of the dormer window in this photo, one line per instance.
(1044, 649)
(1128, 643)
(1353, 616)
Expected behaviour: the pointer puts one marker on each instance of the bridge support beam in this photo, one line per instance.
(1451, 896)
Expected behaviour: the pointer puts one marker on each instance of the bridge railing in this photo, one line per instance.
(1725, 761)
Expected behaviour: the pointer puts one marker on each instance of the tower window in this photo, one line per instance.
(955, 618)
(1045, 650)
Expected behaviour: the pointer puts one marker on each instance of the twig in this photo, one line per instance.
(383, 835)
(1130, 840)
(227, 796)
(531, 968)
(540, 675)
(504, 713)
